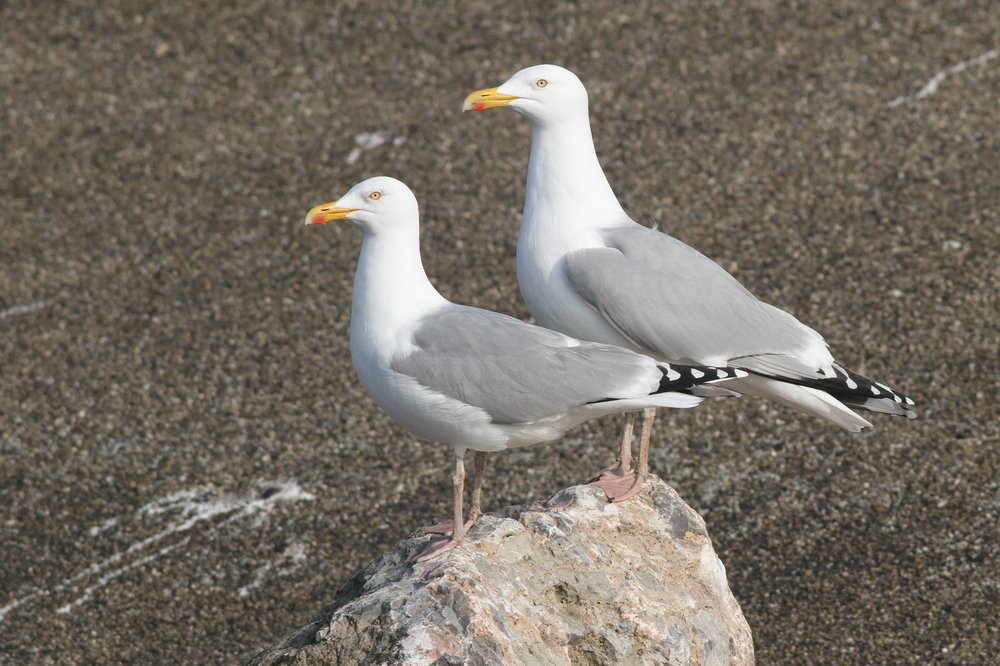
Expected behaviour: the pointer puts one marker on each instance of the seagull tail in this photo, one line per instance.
(804, 399)
(859, 392)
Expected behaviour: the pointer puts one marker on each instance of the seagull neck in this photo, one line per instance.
(390, 285)
(565, 175)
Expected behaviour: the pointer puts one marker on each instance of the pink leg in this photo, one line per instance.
(440, 544)
(619, 490)
(648, 416)
(622, 466)
(476, 510)
(443, 525)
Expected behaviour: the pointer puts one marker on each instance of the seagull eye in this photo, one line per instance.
(541, 83)
(375, 196)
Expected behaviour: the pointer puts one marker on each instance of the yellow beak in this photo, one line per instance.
(327, 213)
(486, 99)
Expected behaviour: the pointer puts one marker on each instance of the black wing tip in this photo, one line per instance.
(678, 377)
(854, 389)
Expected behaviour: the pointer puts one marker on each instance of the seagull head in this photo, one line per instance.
(543, 93)
(376, 204)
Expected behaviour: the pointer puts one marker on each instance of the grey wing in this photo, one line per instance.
(517, 372)
(678, 304)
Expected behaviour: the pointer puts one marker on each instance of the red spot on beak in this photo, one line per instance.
(478, 106)
(318, 219)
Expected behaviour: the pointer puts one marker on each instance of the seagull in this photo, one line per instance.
(474, 379)
(585, 268)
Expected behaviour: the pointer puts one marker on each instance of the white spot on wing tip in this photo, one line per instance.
(851, 384)
(697, 374)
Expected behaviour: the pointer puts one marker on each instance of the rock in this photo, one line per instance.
(573, 581)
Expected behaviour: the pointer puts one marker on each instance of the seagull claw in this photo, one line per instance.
(621, 488)
(444, 526)
(436, 546)
(616, 471)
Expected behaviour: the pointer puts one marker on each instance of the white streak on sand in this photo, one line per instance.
(27, 308)
(935, 82)
(88, 592)
(195, 505)
(295, 554)
(17, 602)
(105, 526)
(370, 140)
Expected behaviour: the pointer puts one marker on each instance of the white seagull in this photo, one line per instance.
(587, 269)
(471, 378)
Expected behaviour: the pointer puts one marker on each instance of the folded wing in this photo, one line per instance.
(669, 299)
(517, 372)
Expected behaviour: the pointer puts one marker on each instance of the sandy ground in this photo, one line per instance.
(188, 467)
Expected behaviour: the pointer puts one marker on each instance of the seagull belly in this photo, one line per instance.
(432, 415)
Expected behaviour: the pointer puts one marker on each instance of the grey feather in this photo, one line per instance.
(706, 391)
(671, 300)
(517, 372)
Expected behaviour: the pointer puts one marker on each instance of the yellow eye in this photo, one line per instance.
(541, 83)
(375, 196)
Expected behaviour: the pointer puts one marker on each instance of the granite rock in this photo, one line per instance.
(574, 580)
